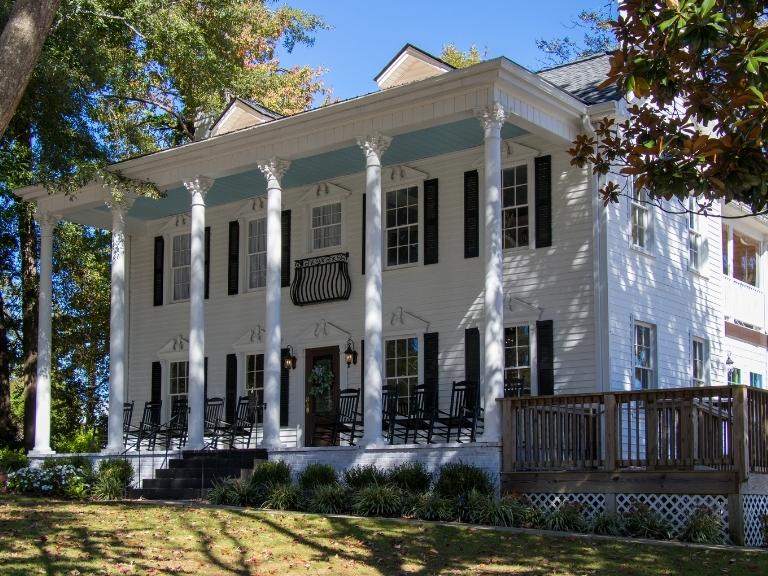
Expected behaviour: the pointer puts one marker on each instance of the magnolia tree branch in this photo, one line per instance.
(21, 42)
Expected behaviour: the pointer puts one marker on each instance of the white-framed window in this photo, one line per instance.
(698, 362)
(640, 220)
(257, 253)
(402, 225)
(695, 246)
(517, 359)
(254, 377)
(746, 258)
(515, 216)
(325, 223)
(401, 361)
(181, 257)
(755, 380)
(644, 356)
(178, 380)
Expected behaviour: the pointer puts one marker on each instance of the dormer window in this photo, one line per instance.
(326, 226)
(180, 267)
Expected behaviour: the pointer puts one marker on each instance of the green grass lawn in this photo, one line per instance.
(73, 538)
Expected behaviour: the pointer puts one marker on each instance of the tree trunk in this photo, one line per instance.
(7, 425)
(29, 282)
(20, 45)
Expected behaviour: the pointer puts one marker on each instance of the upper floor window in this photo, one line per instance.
(401, 360)
(402, 220)
(695, 251)
(515, 208)
(755, 380)
(640, 219)
(326, 226)
(257, 253)
(178, 381)
(180, 266)
(698, 362)
(517, 360)
(734, 376)
(644, 356)
(746, 254)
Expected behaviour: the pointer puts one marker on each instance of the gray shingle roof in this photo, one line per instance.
(581, 79)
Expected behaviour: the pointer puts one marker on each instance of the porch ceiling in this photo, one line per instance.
(407, 147)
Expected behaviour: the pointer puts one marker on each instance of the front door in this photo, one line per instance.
(321, 388)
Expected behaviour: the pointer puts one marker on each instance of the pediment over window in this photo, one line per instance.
(522, 310)
(250, 340)
(176, 346)
(400, 318)
(324, 330)
(177, 224)
(511, 152)
(251, 208)
(401, 175)
(323, 190)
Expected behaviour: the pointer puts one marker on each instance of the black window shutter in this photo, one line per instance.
(284, 388)
(543, 203)
(230, 395)
(431, 368)
(363, 250)
(362, 376)
(472, 355)
(545, 357)
(285, 266)
(157, 382)
(205, 377)
(430, 222)
(207, 260)
(471, 214)
(233, 258)
(158, 275)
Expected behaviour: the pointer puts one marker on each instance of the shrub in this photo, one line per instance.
(219, 492)
(359, 477)
(83, 440)
(608, 524)
(120, 469)
(316, 475)
(12, 460)
(567, 518)
(284, 497)
(479, 508)
(246, 492)
(765, 529)
(82, 464)
(643, 522)
(329, 499)
(459, 479)
(432, 506)
(271, 472)
(377, 500)
(113, 479)
(410, 477)
(524, 514)
(55, 480)
(704, 527)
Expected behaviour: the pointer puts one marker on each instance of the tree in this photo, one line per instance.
(118, 78)
(696, 74)
(20, 44)
(597, 37)
(458, 59)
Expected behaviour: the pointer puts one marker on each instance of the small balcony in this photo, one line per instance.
(744, 302)
(321, 279)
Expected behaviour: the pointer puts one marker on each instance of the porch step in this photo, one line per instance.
(191, 476)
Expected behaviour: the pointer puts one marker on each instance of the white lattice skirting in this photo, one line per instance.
(593, 504)
(755, 508)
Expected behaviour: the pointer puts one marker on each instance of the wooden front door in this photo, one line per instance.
(320, 407)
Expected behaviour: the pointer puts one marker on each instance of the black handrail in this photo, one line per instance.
(321, 279)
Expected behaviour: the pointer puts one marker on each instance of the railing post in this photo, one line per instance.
(740, 434)
(651, 432)
(508, 436)
(611, 437)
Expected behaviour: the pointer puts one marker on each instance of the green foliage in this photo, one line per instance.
(122, 470)
(317, 474)
(596, 36)
(82, 464)
(246, 492)
(359, 477)
(568, 517)
(432, 506)
(704, 526)
(459, 479)
(377, 500)
(608, 524)
(57, 480)
(481, 508)
(410, 477)
(12, 460)
(219, 492)
(108, 487)
(458, 59)
(642, 522)
(284, 497)
(84, 440)
(329, 499)
(524, 514)
(271, 472)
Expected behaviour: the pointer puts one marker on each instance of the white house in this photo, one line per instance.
(437, 227)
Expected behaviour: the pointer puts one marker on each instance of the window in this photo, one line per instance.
(695, 256)
(698, 362)
(180, 267)
(254, 377)
(514, 190)
(517, 360)
(755, 380)
(734, 376)
(179, 380)
(726, 252)
(402, 226)
(326, 226)
(402, 367)
(644, 356)
(746, 253)
(640, 217)
(257, 253)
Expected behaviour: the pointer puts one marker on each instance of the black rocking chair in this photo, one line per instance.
(127, 417)
(463, 414)
(389, 399)
(246, 416)
(420, 418)
(214, 411)
(147, 428)
(175, 430)
(345, 422)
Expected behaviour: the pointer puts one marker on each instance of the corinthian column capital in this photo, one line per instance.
(374, 144)
(492, 117)
(274, 168)
(198, 186)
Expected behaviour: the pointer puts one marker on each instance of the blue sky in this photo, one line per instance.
(365, 34)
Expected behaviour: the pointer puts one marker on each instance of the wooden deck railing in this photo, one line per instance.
(710, 428)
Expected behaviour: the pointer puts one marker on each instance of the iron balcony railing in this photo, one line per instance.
(321, 279)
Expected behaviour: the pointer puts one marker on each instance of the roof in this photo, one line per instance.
(410, 64)
(582, 78)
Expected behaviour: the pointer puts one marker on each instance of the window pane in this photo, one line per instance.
(745, 258)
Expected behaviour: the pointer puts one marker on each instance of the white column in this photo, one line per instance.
(47, 223)
(119, 205)
(273, 171)
(198, 188)
(493, 381)
(373, 147)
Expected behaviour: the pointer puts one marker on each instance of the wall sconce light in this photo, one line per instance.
(289, 360)
(350, 354)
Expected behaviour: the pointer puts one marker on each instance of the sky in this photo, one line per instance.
(366, 34)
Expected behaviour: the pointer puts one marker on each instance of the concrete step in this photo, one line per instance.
(226, 471)
(177, 483)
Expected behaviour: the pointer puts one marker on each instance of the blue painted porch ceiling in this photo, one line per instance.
(408, 147)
